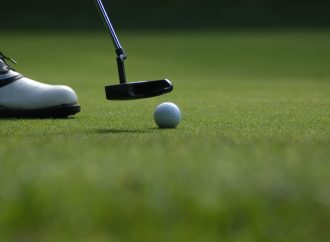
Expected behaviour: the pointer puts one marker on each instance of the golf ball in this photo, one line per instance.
(167, 115)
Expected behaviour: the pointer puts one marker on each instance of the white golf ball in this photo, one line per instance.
(167, 115)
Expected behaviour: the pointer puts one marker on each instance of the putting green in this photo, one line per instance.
(249, 162)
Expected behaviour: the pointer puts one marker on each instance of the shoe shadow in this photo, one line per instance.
(37, 119)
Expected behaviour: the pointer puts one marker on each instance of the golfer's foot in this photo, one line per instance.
(21, 97)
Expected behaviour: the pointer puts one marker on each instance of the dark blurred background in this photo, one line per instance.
(169, 14)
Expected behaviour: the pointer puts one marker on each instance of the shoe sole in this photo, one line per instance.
(63, 111)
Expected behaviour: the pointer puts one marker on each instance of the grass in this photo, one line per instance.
(249, 162)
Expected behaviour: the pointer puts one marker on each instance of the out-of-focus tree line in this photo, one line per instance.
(171, 14)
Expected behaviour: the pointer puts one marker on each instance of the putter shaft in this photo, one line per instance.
(115, 40)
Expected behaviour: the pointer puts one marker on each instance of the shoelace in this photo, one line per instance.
(4, 58)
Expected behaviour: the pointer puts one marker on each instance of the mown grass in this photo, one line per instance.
(249, 162)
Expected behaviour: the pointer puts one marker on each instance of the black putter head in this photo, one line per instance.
(129, 90)
(137, 90)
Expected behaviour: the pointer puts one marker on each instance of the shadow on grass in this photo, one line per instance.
(35, 119)
(130, 131)
(123, 131)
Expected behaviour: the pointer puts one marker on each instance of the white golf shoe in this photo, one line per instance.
(21, 97)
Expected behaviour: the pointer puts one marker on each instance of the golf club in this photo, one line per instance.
(129, 90)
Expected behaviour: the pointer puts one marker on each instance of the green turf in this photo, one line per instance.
(249, 162)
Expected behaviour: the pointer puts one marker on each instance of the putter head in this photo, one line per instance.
(137, 90)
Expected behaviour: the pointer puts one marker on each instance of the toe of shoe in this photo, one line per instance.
(27, 94)
(62, 95)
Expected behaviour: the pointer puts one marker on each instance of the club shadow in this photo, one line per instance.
(123, 131)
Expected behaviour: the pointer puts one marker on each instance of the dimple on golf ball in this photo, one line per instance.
(167, 115)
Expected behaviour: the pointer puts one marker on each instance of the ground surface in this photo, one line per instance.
(249, 162)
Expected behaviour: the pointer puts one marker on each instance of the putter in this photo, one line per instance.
(129, 90)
